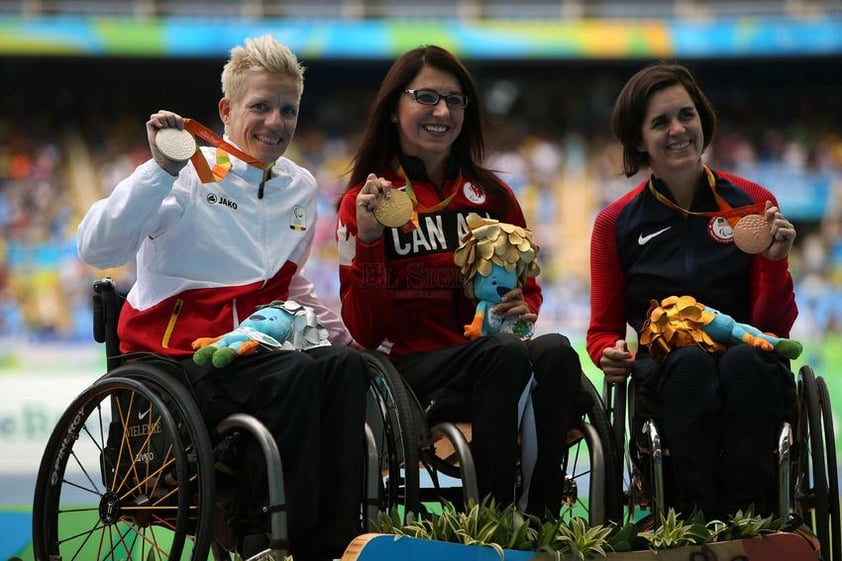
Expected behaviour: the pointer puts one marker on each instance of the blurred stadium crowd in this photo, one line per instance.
(430, 9)
(65, 143)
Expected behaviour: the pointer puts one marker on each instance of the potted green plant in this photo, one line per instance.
(484, 532)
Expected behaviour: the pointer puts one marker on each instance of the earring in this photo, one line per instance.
(394, 118)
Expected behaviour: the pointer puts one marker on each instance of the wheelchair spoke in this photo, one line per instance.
(121, 539)
(149, 539)
(95, 492)
(144, 483)
(86, 533)
(98, 443)
(99, 448)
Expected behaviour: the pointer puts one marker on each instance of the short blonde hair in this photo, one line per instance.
(259, 54)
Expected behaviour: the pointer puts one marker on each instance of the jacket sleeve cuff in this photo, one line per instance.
(370, 253)
(775, 268)
(154, 176)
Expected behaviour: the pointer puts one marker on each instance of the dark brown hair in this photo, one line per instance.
(380, 144)
(630, 109)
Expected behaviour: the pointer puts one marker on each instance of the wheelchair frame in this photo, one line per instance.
(152, 488)
(807, 476)
(416, 444)
(167, 508)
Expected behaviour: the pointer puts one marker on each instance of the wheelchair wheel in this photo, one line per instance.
(114, 480)
(602, 470)
(639, 499)
(832, 473)
(167, 380)
(591, 462)
(814, 436)
(615, 398)
(398, 433)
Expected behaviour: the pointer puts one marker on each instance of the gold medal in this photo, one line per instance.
(394, 211)
(752, 234)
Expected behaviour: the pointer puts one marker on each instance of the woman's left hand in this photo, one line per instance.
(783, 233)
(513, 305)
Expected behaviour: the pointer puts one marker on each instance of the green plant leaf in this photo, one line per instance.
(621, 537)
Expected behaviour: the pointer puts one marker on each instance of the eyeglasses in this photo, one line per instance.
(432, 97)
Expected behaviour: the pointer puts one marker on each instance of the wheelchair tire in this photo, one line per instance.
(401, 434)
(832, 471)
(110, 485)
(603, 454)
(811, 480)
(618, 400)
(642, 501)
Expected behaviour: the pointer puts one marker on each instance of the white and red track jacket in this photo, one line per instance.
(207, 254)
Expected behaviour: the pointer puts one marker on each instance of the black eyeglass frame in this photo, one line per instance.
(461, 100)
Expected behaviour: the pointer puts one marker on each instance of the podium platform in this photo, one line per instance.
(780, 546)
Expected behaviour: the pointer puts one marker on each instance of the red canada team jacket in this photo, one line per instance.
(403, 290)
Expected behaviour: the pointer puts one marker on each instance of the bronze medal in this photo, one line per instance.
(752, 234)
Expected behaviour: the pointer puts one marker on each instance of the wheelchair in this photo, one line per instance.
(806, 456)
(408, 447)
(131, 471)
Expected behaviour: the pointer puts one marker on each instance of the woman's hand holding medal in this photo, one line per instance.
(170, 144)
(379, 205)
(782, 231)
(770, 234)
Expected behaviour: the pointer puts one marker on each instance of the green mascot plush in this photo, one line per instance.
(279, 325)
(677, 321)
(493, 258)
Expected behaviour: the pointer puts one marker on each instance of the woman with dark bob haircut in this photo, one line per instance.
(401, 290)
(630, 110)
(677, 234)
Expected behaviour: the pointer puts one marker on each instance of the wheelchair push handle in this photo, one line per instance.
(103, 290)
(106, 311)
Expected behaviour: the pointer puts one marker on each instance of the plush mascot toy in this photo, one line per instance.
(493, 258)
(279, 325)
(680, 320)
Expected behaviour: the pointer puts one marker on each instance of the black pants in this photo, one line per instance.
(481, 382)
(720, 418)
(313, 402)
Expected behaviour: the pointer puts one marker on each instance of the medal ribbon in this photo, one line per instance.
(418, 208)
(730, 214)
(223, 162)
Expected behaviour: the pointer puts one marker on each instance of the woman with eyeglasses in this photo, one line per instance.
(401, 290)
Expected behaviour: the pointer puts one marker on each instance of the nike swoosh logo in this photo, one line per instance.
(142, 414)
(643, 240)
